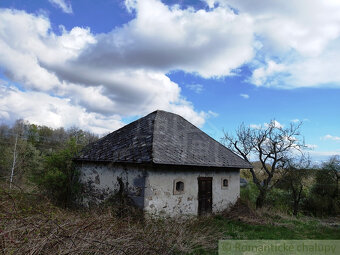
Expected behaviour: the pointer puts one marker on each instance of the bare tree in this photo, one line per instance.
(272, 145)
(14, 161)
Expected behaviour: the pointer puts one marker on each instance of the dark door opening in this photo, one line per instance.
(204, 195)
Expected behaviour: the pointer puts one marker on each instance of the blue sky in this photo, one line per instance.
(101, 64)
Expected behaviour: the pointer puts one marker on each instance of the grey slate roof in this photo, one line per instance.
(162, 138)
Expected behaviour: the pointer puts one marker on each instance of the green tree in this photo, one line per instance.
(59, 179)
(5, 158)
(333, 167)
(324, 195)
(296, 179)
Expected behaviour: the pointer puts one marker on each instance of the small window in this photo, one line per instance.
(225, 183)
(178, 187)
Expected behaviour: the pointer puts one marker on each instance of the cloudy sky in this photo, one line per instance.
(101, 64)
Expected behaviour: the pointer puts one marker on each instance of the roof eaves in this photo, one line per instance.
(203, 165)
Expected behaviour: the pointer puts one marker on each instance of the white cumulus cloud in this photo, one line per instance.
(163, 38)
(73, 66)
(298, 42)
(41, 108)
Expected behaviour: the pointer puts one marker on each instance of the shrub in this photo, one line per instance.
(58, 178)
(278, 199)
(249, 193)
(323, 197)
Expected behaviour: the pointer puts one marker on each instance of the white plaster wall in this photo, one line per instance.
(101, 180)
(160, 199)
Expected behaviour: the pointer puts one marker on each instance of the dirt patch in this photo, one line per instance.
(331, 222)
(241, 211)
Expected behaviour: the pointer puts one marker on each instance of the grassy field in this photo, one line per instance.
(30, 224)
(282, 229)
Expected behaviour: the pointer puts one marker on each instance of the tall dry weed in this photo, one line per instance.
(30, 224)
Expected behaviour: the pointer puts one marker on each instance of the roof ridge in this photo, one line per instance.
(153, 135)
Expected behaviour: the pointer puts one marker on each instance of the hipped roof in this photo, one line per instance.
(162, 138)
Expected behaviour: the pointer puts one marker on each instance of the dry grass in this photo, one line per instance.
(30, 224)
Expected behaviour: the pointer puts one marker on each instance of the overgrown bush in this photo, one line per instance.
(58, 178)
(249, 194)
(295, 184)
(323, 198)
(5, 160)
(279, 199)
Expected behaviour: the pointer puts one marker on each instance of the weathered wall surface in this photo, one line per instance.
(160, 198)
(103, 180)
(153, 190)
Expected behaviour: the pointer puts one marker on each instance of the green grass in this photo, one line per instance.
(283, 229)
(293, 229)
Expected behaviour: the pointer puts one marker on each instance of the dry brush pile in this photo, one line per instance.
(30, 224)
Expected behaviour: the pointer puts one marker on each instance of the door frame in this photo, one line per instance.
(199, 209)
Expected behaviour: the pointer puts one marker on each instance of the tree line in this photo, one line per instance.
(40, 157)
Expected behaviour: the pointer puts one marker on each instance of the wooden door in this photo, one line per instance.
(204, 195)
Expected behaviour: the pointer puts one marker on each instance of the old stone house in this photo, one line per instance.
(165, 164)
